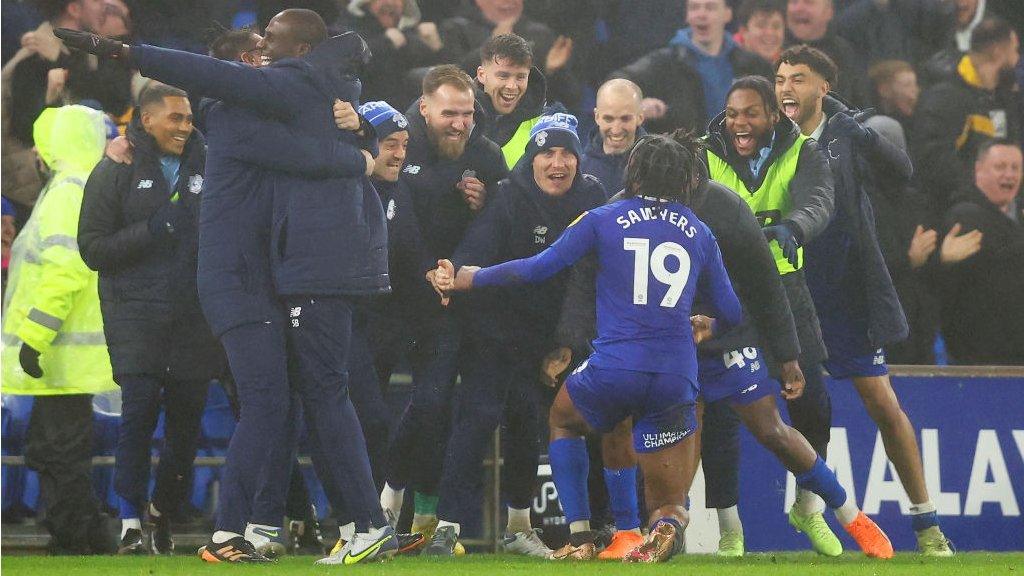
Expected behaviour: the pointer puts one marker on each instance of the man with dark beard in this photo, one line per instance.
(449, 166)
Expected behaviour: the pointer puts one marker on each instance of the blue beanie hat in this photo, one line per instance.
(385, 119)
(552, 131)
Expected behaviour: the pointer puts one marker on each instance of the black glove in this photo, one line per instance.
(845, 125)
(88, 42)
(787, 240)
(169, 219)
(28, 357)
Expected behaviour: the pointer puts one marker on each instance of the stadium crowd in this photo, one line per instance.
(293, 216)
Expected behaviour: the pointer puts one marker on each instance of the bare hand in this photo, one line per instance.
(428, 33)
(46, 45)
(442, 279)
(504, 27)
(345, 116)
(473, 192)
(553, 365)
(396, 37)
(559, 54)
(703, 328)
(959, 248)
(120, 150)
(653, 108)
(792, 380)
(921, 246)
(56, 78)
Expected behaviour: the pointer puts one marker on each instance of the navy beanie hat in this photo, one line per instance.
(385, 119)
(552, 131)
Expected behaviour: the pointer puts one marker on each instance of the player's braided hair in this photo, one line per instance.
(666, 167)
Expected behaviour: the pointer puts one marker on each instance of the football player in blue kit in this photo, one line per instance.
(654, 258)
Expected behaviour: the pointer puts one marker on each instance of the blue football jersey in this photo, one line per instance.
(654, 257)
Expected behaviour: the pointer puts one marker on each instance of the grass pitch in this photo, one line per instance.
(787, 564)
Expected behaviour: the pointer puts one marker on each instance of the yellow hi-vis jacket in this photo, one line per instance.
(51, 302)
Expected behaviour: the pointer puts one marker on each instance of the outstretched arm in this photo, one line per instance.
(231, 82)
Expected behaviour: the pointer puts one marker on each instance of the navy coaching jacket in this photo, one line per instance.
(326, 226)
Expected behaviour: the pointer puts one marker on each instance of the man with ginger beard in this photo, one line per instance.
(449, 167)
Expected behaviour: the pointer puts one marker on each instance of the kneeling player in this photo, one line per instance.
(654, 257)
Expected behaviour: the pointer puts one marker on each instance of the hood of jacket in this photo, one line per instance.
(70, 138)
(335, 65)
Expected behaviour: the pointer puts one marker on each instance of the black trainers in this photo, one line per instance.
(305, 537)
(159, 537)
(132, 543)
(409, 543)
(237, 549)
(443, 542)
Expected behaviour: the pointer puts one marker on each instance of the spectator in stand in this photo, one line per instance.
(625, 30)
(34, 83)
(27, 82)
(982, 308)
(901, 216)
(399, 42)
(479, 20)
(685, 83)
(619, 119)
(762, 28)
(53, 346)
(810, 22)
(955, 116)
(909, 30)
(895, 92)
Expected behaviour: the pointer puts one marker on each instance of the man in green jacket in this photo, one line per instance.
(53, 346)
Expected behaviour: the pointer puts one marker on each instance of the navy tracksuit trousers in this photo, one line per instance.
(319, 337)
(142, 396)
(500, 384)
(417, 452)
(260, 454)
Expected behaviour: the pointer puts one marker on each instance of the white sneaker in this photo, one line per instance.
(270, 542)
(527, 544)
(377, 544)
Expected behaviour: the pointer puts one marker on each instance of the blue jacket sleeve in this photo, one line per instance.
(276, 146)
(232, 82)
(577, 240)
(714, 287)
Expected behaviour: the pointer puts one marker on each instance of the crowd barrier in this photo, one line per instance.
(970, 425)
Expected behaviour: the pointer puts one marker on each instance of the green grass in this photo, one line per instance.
(789, 564)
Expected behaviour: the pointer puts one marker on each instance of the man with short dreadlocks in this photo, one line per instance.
(654, 258)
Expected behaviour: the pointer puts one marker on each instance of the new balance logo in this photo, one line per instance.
(145, 184)
(294, 314)
(411, 169)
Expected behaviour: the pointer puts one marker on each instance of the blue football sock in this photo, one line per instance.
(570, 466)
(823, 482)
(127, 510)
(924, 520)
(622, 497)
